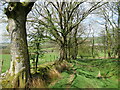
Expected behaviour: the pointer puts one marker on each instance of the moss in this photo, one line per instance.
(24, 3)
(7, 82)
(18, 59)
(18, 77)
(10, 81)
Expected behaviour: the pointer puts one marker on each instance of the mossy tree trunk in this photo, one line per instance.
(63, 52)
(20, 65)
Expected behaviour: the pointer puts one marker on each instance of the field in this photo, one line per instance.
(48, 57)
(82, 74)
(6, 61)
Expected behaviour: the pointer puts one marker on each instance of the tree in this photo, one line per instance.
(93, 43)
(20, 66)
(108, 14)
(103, 41)
(59, 19)
(73, 39)
(35, 41)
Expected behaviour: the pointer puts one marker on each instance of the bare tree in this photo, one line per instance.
(108, 13)
(59, 19)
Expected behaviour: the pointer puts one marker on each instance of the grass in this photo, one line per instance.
(48, 57)
(6, 61)
(82, 74)
(85, 73)
(61, 83)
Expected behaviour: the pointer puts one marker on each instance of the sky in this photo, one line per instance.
(97, 28)
(2, 29)
(91, 23)
(3, 25)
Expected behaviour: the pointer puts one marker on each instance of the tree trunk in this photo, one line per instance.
(37, 58)
(76, 46)
(69, 46)
(69, 50)
(1, 64)
(104, 50)
(75, 49)
(108, 41)
(109, 55)
(63, 53)
(20, 64)
(104, 46)
(93, 46)
(63, 49)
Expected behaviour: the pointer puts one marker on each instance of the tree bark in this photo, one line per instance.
(63, 49)
(63, 53)
(75, 46)
(20, 64)
(108, 40)
(93, 44)
(69, 47)
(37, 58)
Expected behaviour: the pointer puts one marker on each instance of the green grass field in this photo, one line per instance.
(6, 61)
(84, 75)
(48, 57)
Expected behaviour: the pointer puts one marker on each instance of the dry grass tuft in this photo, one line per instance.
(37, 83)
(53, 74)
